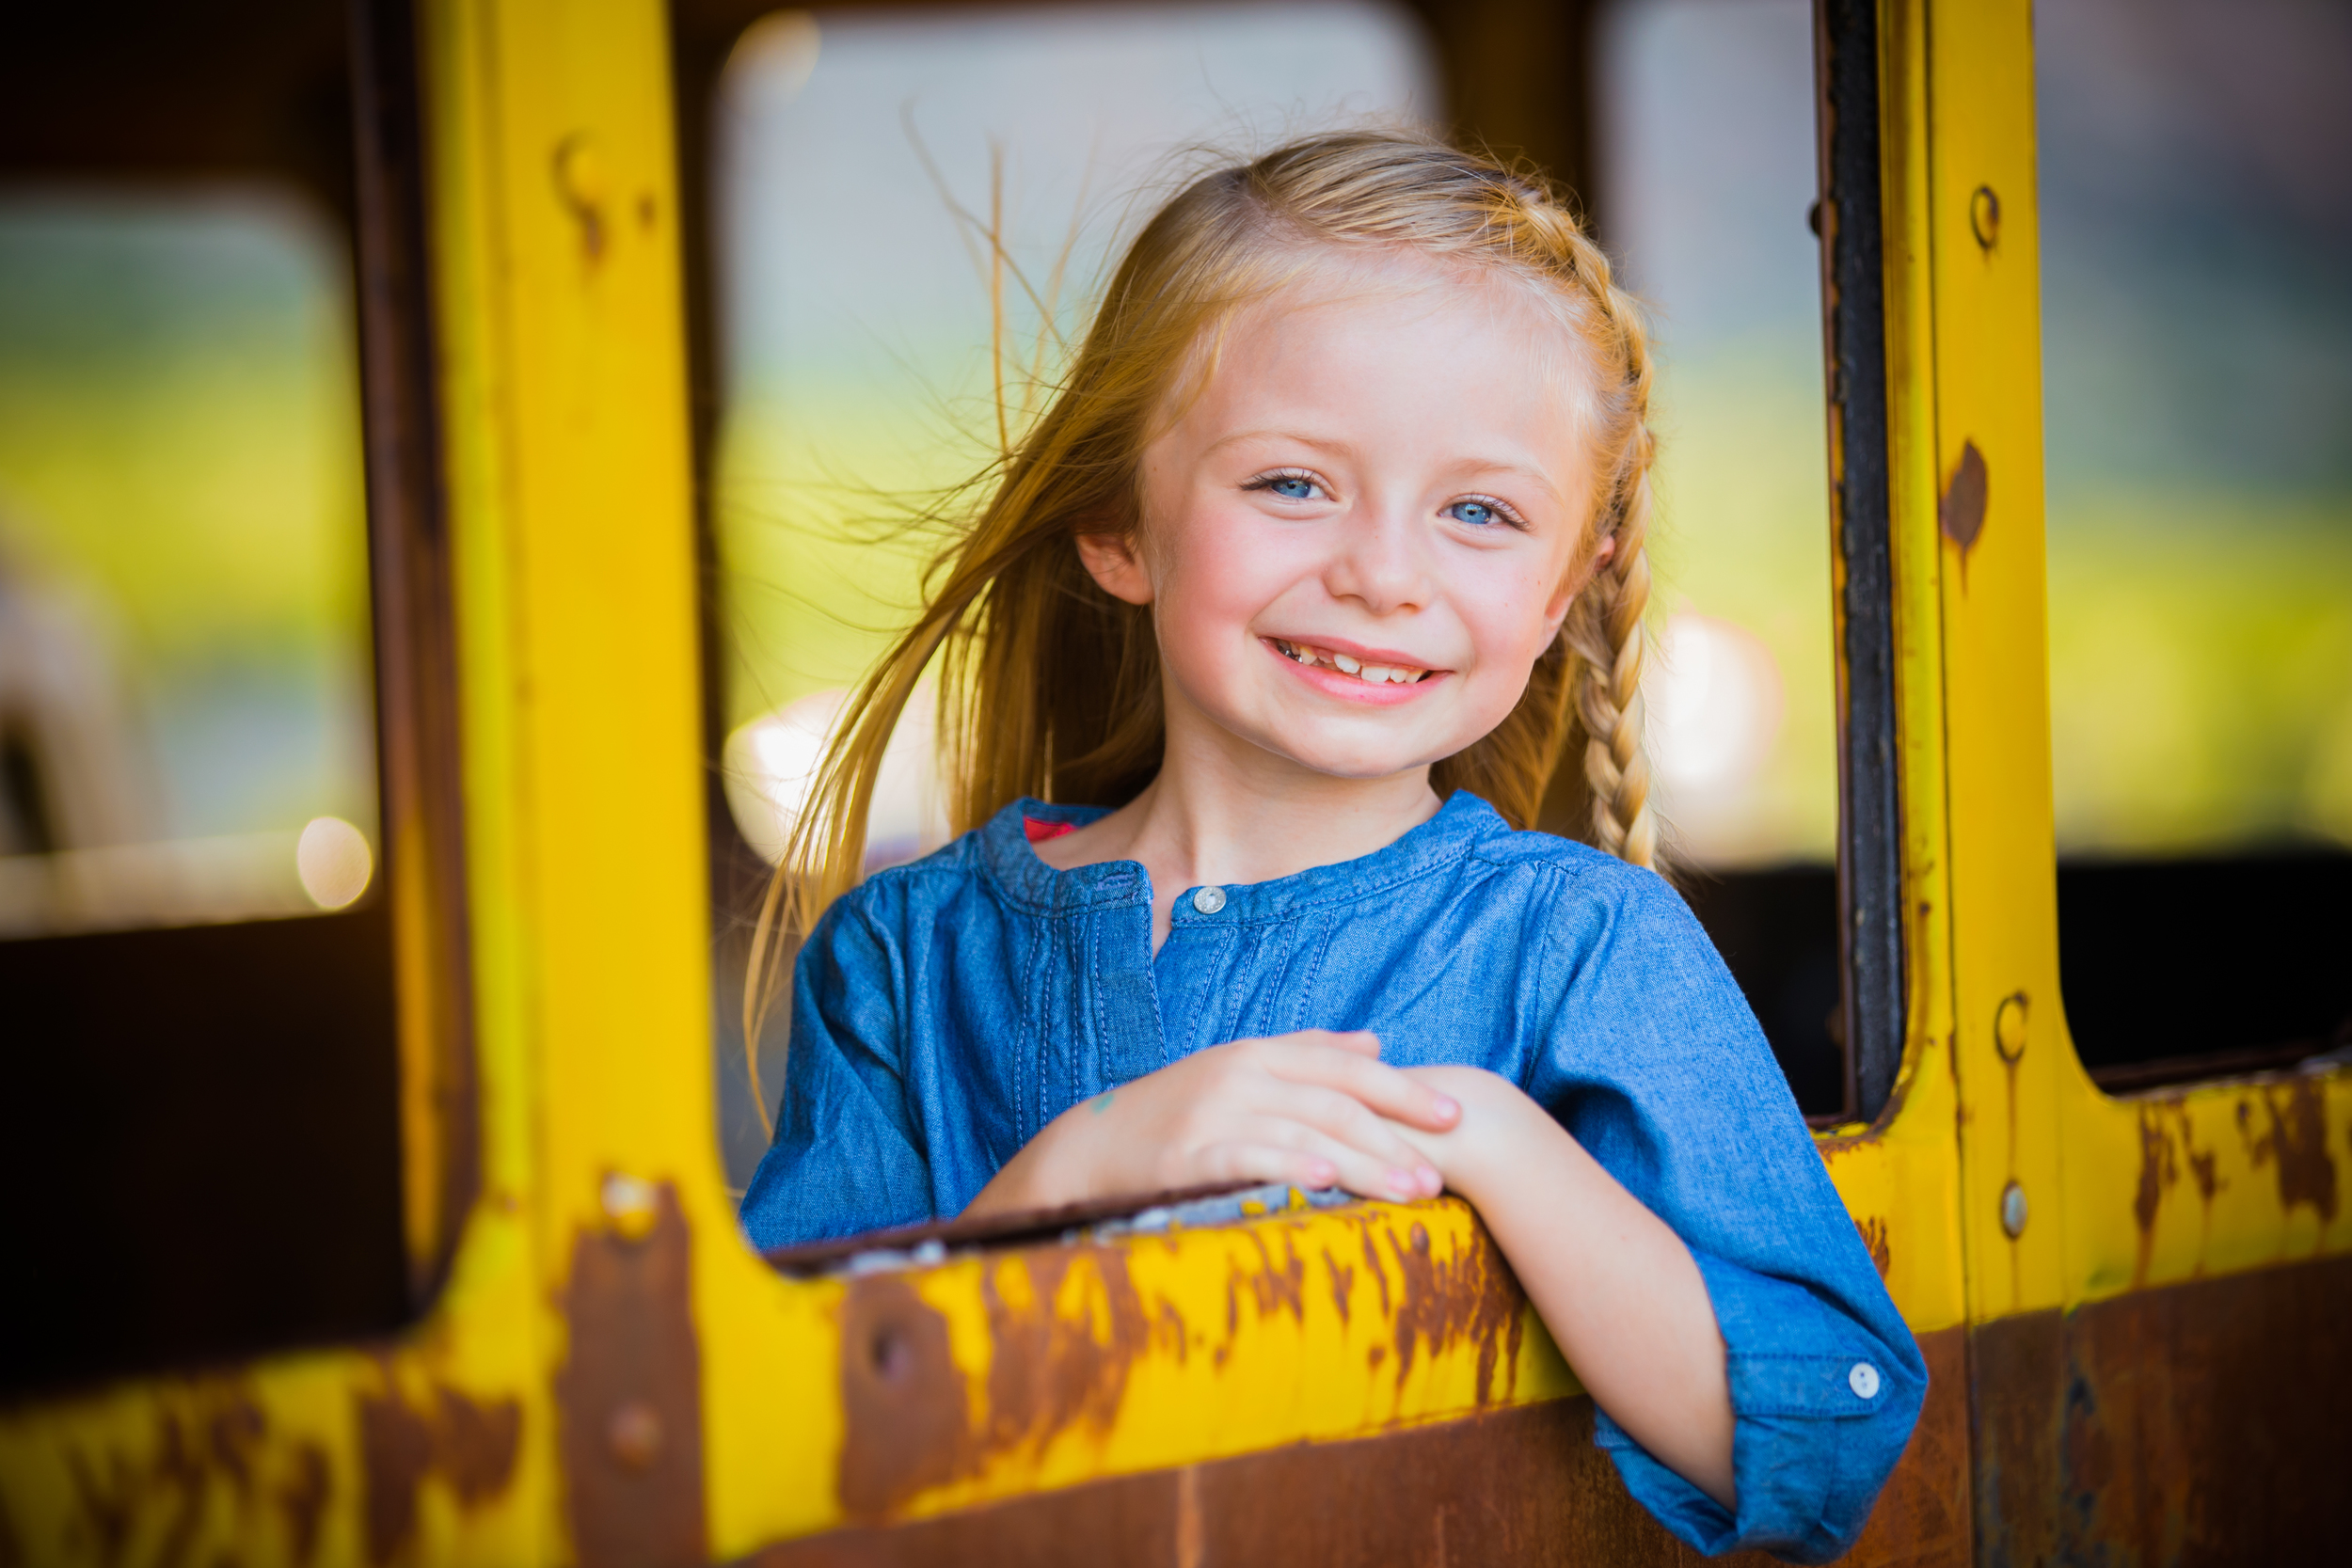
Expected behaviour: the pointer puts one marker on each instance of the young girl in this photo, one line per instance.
(1330, 543)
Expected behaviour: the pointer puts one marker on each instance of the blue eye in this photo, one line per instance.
(1291, 487)
(1476, 513)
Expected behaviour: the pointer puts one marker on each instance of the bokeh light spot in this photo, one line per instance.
(334, 861)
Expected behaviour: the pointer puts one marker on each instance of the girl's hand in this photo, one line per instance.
(1315, 1109)
(1622, 1295)
(1489, 1142)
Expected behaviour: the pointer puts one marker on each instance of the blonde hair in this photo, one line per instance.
(1049, 686)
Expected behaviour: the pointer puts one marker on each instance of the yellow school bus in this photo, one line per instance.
(443, 1170)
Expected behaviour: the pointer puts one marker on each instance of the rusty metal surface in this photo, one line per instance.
(2197, 1423)
(629, 1395)
(472, 1445)
(1523, 1484)
(1406, 1313)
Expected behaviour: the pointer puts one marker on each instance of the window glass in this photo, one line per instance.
(861, 159)
(2196, 206)
(1707, 168)
(186, 720)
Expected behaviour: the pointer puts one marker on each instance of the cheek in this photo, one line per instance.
(1217, 571)
(1509, 617)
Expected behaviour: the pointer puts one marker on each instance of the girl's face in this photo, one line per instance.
(1362, 529)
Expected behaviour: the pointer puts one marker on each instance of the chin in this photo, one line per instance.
(1340, 760)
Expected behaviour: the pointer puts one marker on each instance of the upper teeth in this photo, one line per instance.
(1304, 654)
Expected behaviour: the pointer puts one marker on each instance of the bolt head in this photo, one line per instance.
(2013, 1210)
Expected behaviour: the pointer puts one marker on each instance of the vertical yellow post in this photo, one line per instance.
(2013, 1053)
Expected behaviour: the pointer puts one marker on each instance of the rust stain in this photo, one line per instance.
(1372, 1262)
(2297, 1143)
(904, 1400)
(579, 186)
(1342, 1282)
(470, 1445)
(304, 1498)
(208, 1449)
(1961, 511)
(1469, 1294)
(628, 1396)
(1278, 1288)
(2158, 1171)
(1050, 1370)
(1874, 1237)
(395, 1453)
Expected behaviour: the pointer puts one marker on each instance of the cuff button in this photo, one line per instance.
(1863, 1381)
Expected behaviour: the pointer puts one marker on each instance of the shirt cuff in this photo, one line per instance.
(1822, 1411)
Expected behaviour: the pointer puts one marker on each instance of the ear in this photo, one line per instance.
(1113, 560)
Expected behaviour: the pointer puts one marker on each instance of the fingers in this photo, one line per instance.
(1367, 1148)
(1351, 1063)
(1295, 1153)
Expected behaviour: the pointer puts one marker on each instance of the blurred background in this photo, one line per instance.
(186, 725)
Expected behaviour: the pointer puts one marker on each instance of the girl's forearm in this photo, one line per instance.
(1618, 1289)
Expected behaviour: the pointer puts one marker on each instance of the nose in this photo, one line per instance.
(1377, 560)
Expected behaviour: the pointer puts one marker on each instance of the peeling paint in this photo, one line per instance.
(472, 1445)
(1342, 1283)
(1470, 1294)
(1961, 510)
(905, 1401)
(1873, 1230)
(209, 1464)
(2296, 1142)
(1050, 1369)
(628, 1397)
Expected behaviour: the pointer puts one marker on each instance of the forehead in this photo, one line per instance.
(1347, 324)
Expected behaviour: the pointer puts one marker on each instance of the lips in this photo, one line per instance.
(1370, 673)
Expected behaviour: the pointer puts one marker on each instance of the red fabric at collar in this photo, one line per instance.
(1039, 830)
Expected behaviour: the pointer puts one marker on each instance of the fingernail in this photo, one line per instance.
(1431, 1183)
(1403, 1184)
(1321, 1173)
(1448, 1106)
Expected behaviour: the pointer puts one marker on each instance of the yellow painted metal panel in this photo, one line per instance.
(2118, 1194)
(2011, 1033)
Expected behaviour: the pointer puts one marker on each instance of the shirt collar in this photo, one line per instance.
(1462, 824)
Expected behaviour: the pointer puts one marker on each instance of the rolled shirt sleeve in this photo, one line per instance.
(1656, 1065)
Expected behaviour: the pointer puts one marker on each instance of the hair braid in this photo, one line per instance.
(1604, 625)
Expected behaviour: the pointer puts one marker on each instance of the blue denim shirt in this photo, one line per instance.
(945, 1011)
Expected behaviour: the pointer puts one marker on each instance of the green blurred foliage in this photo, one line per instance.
(178, 421)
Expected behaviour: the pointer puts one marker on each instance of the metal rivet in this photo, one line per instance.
(628, 1203)
(1863, 1381)
(1209, 900)
(2013, 1210)
(893, 1358)
(634, 1435)
(1984, 218)
(2008, 1026)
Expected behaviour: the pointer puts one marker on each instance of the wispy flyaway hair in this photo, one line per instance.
(1049, 686)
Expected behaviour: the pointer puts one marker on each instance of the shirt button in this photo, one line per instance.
(1208, 900)
(1863, 1381)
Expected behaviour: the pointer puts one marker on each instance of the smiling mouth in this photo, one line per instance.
(1324, 658)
